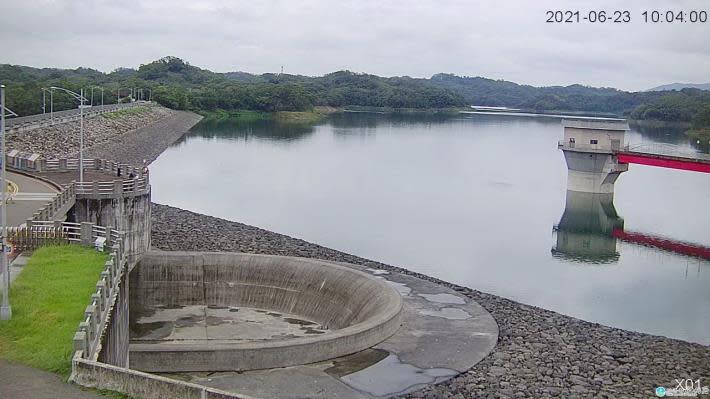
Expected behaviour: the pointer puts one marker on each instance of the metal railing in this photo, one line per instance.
(668, 150)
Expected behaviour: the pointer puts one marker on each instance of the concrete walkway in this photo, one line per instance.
(22, 382)
(32, 194)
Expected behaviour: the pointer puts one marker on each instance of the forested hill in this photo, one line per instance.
(177, 84)
(674, 106)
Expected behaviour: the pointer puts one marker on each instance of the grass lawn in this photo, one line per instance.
(48, 300)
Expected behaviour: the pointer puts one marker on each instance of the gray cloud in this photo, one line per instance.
(503, 40)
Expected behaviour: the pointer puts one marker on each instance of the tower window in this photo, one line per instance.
(593, 141)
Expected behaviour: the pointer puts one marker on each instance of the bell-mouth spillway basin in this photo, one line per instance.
(202, 311)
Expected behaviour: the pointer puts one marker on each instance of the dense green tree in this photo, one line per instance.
(701, 120)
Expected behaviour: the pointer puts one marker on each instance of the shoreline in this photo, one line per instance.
(540, 353)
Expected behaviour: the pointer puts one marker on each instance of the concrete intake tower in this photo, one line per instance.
(590, 148)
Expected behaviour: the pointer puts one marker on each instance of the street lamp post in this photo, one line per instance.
(5, 309)
(44, 101)
(102, 96)
(81, 98)
(81, 138)
(51, 106)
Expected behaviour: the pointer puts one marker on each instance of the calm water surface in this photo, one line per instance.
(477, 200)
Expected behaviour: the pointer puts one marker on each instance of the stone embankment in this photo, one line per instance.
(539, 353)
(147, 142)
(62, 139)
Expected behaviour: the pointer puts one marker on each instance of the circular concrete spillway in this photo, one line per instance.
(231, 311)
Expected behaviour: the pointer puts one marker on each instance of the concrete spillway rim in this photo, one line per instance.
(389, 317)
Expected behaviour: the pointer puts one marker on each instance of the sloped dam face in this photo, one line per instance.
(193, 311)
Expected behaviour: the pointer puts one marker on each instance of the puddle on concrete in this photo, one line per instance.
(153, 331)
(167, 313)
(390, 376)
(300, 322)
(349, 364)
(377, 272)
(447, 313)
(444, 298)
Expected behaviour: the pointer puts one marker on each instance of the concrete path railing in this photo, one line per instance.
(121, 187)
(111, 189)
(36, 163)
(62, 202)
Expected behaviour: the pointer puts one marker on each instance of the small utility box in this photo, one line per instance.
(100, 243)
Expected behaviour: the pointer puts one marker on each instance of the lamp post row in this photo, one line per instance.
(5, 308)
(135, 92)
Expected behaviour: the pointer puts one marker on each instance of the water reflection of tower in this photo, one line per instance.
(585, 231)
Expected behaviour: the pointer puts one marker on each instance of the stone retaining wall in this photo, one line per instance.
(62, 139)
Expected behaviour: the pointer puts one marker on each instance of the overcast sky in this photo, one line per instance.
(492, 38)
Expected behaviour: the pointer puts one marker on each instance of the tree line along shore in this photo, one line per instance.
(178, 85)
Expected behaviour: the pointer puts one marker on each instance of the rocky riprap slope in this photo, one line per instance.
(148, 142)
(539, 353)
(62, 139)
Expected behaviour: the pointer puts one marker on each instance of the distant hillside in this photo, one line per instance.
(177, 84)
(577, 98)
(680, 86)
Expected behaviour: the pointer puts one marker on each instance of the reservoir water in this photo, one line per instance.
(478, 200)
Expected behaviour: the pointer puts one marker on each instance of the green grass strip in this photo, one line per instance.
(48, 301)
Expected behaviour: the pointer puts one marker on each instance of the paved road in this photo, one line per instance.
(58, 115)
(32, 194)
(22, 382)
